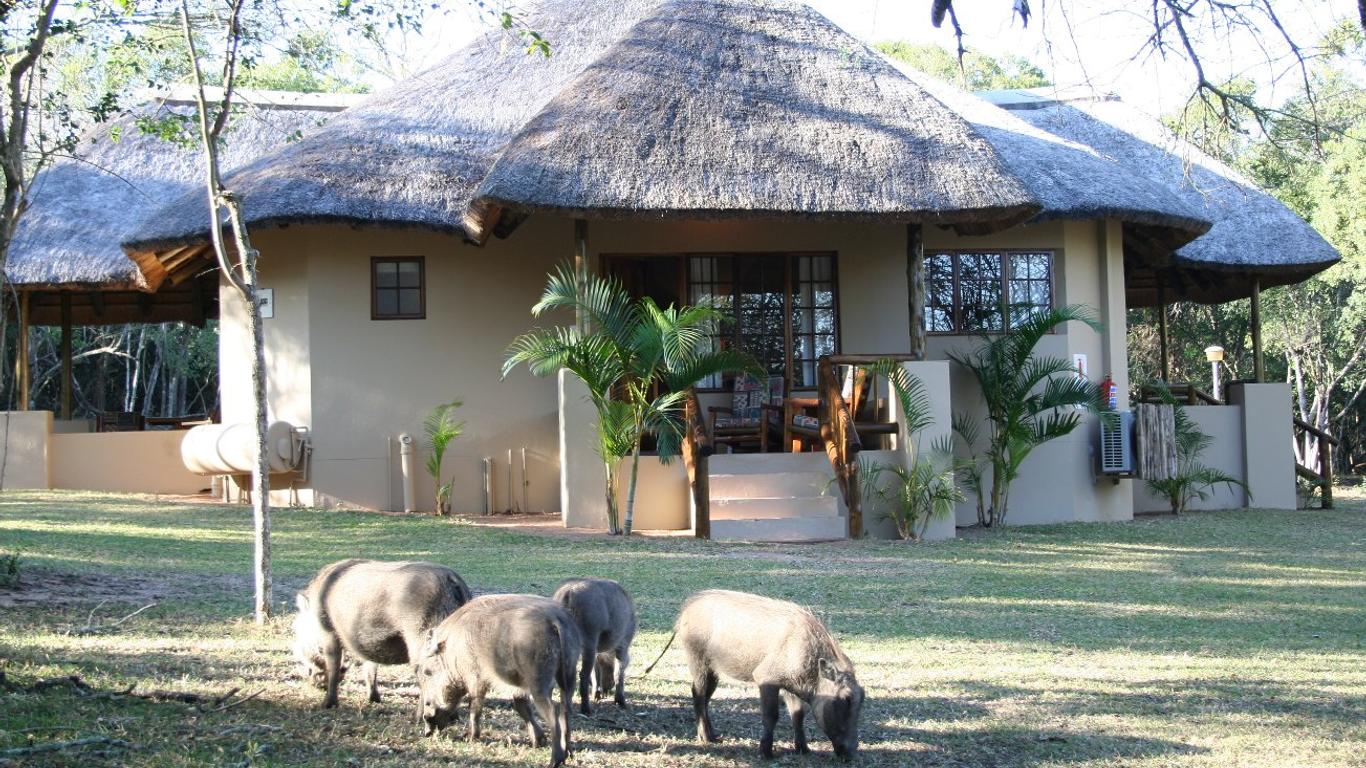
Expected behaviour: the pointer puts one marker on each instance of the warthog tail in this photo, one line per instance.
(661, 654)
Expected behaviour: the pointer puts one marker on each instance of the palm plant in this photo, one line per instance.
(1030, 399)
(926, 489)
(441, 428)
(1192, 480)
(637, 360)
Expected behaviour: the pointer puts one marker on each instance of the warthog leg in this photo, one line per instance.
(768, 707)
(797, 709)
(703, 686)
(372, 680)
(534, 731)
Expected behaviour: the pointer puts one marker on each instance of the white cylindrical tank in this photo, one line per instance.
(407, 458)
(230, 449)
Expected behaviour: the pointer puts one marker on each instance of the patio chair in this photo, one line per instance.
(754, 412)
(802, 426)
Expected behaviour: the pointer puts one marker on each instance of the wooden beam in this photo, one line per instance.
(580, 261)
(66, 356)
(915, 287)
(22, 376)
(1162, 332)
(1258, 359)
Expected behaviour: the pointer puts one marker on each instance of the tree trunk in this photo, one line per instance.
(631, 490)
(611, 466)
(260, 474)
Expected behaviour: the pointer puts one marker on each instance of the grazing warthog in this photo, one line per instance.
(606, 618)
(523, 641)
(780, 646)
(379, 612)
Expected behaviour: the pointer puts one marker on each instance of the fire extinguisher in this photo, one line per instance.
(1108, 394)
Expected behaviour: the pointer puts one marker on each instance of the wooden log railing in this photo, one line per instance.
(1186, 394)
(841, 440)
(1322, 474)
(697, 447)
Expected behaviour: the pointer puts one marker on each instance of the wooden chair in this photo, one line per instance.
(753, 413)
(801, 423)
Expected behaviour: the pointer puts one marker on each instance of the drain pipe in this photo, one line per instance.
(406, 460)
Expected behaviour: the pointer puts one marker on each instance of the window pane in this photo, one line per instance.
(939, 293)
(409, 274)
(386, 302)
(410, 301)
(386, 274)
(1031, 286)
(979, 287)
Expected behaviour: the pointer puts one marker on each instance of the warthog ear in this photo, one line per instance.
(434, 646)
(827, 670)
(301, 600)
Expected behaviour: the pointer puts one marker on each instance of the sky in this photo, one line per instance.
(1092, 43)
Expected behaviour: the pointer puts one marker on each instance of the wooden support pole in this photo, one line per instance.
(66, 356)
(1326, 472)
(1258, 360)
(580, 261)
(915, 287)
(22, 376)
(1163, 365)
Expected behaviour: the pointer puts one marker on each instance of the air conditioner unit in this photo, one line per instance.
(1117, 443)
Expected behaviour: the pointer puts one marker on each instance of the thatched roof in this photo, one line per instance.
(736, 107)
(415, 153)
(119, 176)
(1072, 179)
(741, 108)
(1254, 236)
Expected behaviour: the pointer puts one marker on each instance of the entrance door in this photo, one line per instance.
(782, 307)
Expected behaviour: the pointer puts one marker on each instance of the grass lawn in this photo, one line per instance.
(1217, 639)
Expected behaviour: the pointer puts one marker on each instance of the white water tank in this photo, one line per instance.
(230, 449)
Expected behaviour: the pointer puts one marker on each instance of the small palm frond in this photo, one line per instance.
(910, 392)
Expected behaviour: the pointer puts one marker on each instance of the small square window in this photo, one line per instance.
(398, 288)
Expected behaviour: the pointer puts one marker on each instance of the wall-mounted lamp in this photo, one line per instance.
(1215, 355)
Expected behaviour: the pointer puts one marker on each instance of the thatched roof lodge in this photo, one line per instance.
(118, 178)
(737, 108)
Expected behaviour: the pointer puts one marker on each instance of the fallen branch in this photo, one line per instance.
(57, 746)
(94, 629)
(81, 688)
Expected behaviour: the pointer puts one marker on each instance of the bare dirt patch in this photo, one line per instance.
(47, 588)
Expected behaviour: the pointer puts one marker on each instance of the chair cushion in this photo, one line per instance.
(746, 395)
(736, 422)
(806, 422)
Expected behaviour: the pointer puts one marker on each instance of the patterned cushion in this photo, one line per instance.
(746, 395)
(736, 422)
(807, 422)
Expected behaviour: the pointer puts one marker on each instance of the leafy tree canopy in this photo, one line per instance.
(980, 71)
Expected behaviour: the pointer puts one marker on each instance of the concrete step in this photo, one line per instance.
(775, 509)
(771, 485)
(768, 463)
(788, 529)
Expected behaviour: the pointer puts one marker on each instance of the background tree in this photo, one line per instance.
(977, 71)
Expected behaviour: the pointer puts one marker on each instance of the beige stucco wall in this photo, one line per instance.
(1224, 424)
(663, 497)
(1268, 459)
(359, 383)
(24, 451)
(123, 462)
(1057, 482)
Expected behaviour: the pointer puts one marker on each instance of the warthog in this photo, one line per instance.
(379, 612)
(780, 646)
(606, 618)
(523, 641)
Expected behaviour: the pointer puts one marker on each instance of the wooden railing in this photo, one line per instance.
(1187, 394)
(697, 446)
(841, 440)
(1323, 475)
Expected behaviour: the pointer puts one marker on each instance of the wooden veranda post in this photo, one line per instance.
(1258, 361)
(915, 287)
(1162, 330)
(580, 261)
(22, 376)
(66, 356)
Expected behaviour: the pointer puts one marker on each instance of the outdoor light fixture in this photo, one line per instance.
(1215, 355)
